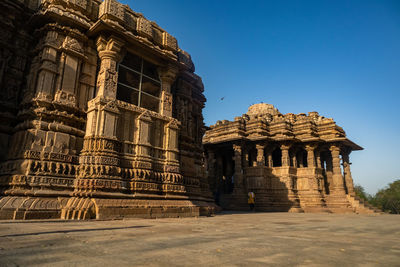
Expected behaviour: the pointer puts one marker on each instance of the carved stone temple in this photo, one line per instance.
(101, 115)
(296, 163)
(101, 118)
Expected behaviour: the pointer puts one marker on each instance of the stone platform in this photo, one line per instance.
(228, 239)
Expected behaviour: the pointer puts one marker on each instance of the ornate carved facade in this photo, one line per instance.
(101, 115)
(297, 163)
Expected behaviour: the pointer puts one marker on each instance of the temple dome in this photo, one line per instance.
(262, 108)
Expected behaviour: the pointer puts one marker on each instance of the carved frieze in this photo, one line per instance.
(112, 9)
(169, 42)
(144, 27)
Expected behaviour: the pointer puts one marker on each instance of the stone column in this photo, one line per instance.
(269, 159)
(99, 160)
(246, 162)
(168, 76)
(320, 175)
(318, 158)
(347, 173)
(211, 163)
(285, 155)
(294, 159)
(301, 163)
(238, 175)
(109, 54)
(218, 171)
(310, 156)
(328, 171)
(260, 155)
(212, 176)
(171, 147)
(337, 178)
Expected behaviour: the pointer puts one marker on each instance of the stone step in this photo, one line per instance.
(362, 206)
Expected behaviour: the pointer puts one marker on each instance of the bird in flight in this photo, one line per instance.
(222, 98)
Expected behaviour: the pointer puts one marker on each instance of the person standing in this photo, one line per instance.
(251, 200)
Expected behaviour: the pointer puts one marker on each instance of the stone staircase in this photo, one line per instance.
(361, 206)
(338, 203)
(348, 203)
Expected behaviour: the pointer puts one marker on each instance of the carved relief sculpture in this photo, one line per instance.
(90, 92)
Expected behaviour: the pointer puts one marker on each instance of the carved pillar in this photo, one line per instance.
(294, 159)
(99, 161)
(168, 76)
(310, 156)
(347, 173)
(171, 146)
(260, 155)
(246, 162)
(285, 155)
(219, 173)
(318, 158)
(107, 79)
(238, 176)
(67, 89)
(320, 173)
(48, 69)
(337, 178)
(101, 122)
(328, 171)
(300, 158)
(211, 170)
(269, 159)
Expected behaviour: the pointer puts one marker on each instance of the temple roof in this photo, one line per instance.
(261, 109)
(264, 122)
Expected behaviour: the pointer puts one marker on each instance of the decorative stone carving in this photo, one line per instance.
(301, 171)
(144, 27)
(73, 144)
(169, 42)
(107, 78)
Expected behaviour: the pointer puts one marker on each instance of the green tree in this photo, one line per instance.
(360, 192)
(388, 199)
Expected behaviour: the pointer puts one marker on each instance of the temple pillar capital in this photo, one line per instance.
(168, 76)
(109, 50)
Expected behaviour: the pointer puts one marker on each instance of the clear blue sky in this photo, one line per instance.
(340, 58)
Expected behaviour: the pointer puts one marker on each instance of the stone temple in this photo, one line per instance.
(295, 163)
(101, 118)
(101, 115)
